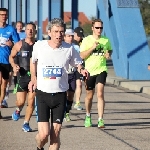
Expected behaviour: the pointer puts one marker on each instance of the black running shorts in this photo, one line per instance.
(5, 69)
(100, 78)
(50, 103)
(22, 83)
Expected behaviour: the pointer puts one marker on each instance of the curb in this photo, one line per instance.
(138, 86)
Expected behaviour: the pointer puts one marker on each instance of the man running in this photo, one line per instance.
(22, 35)
(68, 38)
(95, 49)
(78, 36)
(7, 35)
(52, 59)
(23, 50)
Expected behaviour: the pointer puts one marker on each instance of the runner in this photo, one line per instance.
(95, 49)
(68, 38)
(7, 35)
(24, 48)
(52, 59)
(20, 31)
(78, 36)
(22, 35)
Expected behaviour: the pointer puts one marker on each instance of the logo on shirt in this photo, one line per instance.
(78, 61)
(8, 33)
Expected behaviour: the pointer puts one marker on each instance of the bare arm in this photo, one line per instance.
(87, 53)
(14, 51)
(33, 69)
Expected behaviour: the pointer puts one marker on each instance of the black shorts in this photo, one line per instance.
(56, 102)
(100, 78)
(22, 83)
(72, 82)
(78, 76)
(5, 69)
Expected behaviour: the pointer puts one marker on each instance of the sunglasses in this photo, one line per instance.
(98, 27)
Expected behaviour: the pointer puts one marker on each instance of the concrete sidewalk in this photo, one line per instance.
(138, 86)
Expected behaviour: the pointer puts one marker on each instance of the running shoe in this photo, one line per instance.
(67, 117)
(16, 115)
(26, 127)
(87, 122)
(4, 104)
(78, 106)
(101, 123)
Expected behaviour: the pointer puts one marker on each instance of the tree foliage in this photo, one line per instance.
(145, 12)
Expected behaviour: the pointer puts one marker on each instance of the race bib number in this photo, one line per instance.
(52, 73)
(24, 53)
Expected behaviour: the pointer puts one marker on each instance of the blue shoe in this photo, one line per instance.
(16, 115)
(26, 128)
(4, 104)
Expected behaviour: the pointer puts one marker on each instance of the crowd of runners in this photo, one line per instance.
(49, 74)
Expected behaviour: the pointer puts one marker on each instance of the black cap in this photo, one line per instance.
(79, 31)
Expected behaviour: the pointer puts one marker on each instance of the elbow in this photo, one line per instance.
(82, 56)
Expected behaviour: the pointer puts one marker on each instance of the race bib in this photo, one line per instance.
(24, 53)
(52, 72)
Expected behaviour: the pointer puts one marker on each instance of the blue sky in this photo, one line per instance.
(88, 7)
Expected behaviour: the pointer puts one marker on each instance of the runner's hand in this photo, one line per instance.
(107, 55)
(32, 86)
(16, 68)
(9, 43)
(85, 73)
(95, 45)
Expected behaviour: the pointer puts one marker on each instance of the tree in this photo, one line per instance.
(145, 12)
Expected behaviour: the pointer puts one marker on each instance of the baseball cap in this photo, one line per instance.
(79, 31)
(69, 32)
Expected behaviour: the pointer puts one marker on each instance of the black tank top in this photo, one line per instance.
(24, 57)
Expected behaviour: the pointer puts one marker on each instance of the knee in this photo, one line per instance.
(43, 137)
(100, 95)
(55, 135)
(19, 103)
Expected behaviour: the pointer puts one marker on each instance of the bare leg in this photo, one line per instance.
(43, 133)
(30, 107)
(55, 136)
(100, 97)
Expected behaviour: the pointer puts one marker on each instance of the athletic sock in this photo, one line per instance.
(26, 122)
(19, 109)
(69, 105)
(15, 80)
(88, 114)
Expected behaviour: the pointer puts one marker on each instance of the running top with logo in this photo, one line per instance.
(52, 65)
(23, 57)
(7, 33)
(96, 62)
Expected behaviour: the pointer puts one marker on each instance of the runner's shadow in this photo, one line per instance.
(8, 118)
(70, 126)
(35, 130)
